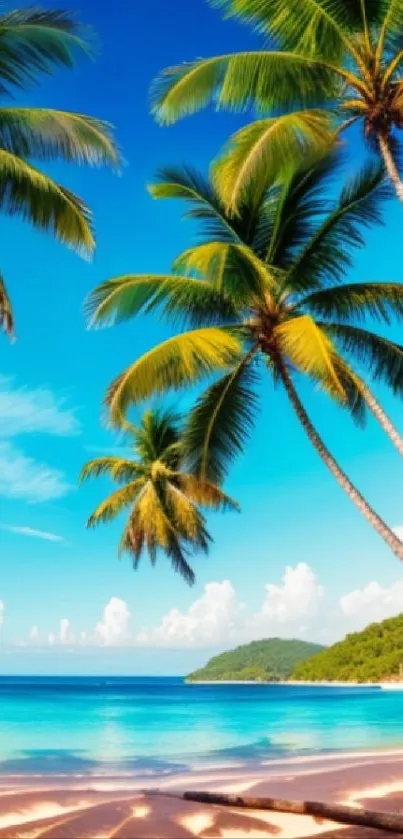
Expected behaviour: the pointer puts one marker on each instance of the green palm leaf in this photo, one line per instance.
(48, 134)
(308, 348)
(295, 205)
(357, 300)
(36, 197)
(177, 362)
(118, 468)
(382, 358)
(264, 79)
(115, 503)
(317, 26)
(206, 206)
(191, 300)
(6, 312)
(266, 149)
(34, 40)
(232, 269)
(220, 423)
(325, 257)
(205, 493)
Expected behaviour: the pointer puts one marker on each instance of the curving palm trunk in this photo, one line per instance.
(390, 165)
(355, 496)
(383, 419)
(6, 312)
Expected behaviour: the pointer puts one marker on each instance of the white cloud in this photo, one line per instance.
(294, 607)
(24, 410)
(298, 596)
(219, 618)
(23, 478)
(372, 603)
(34, 634)
(64, 631)
(212, 618)
(21, 530)
(113, 628)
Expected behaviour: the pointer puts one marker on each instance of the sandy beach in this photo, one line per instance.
(116, 807)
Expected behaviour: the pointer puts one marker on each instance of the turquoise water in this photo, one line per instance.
(160, 725)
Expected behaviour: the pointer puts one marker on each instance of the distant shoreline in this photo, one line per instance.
(291, 683)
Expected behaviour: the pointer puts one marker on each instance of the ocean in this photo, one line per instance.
(161, 725)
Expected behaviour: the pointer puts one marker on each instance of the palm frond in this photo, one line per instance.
(6, 312)
(46, 134)
(29, 193)
(354, 401)
(206, 206)
(310, 350)
(220, 423)
(236, 82)
(206, 493)
(158, 436)
(179, 562)
(380, 301)
(325, 257)
(115, 503)
(118, 468)
(183, 512)
(152, 519)
(264, 151)
(391, 27)
(314, 27)
(381, 358)
(34, 40)
(179, 361)
(233, 270)
(296, 205)
(185, 299)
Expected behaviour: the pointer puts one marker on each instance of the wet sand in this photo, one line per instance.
(118, 807)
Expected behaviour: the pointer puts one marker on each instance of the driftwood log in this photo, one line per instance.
(339, 813)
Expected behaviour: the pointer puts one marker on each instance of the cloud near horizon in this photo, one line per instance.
(295, 607)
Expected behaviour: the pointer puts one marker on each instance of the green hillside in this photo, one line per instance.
(375, 654)
(260, 661)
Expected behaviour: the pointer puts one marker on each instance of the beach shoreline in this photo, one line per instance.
(114, 805)
(289, 683)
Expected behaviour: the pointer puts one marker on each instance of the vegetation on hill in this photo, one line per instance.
(259, 661)
(375, 654)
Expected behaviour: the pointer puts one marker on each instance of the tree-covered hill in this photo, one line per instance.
(260, 661)
(375, 654)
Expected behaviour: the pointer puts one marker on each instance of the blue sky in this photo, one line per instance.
(53, 378)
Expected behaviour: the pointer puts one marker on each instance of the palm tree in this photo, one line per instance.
(343, 55)
(163, 496)
(6, 314)
(35, 41)
(262, 294)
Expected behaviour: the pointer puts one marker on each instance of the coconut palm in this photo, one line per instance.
(345, 55)
(32, 42)
(163, 497)
(263, 295)
(6, 314)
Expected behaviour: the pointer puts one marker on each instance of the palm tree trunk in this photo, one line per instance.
(355, 496)
(382, 417)
(390, 165)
